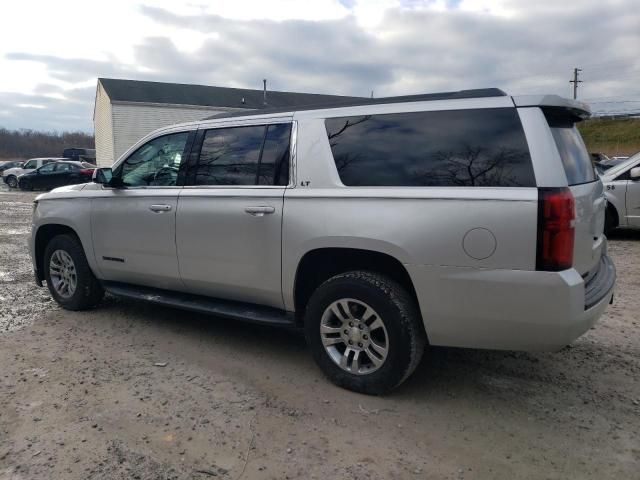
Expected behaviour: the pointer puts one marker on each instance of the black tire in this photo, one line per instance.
(399, 313)
(12, 181)
(88, 291)
(25, 185)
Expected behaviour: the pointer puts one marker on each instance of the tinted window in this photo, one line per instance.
(484, 148)
(229, 156)
(255, 155)
(274, 165)
(575, 158)
(156, 163)
(63, 167)
(47, 168)
(30, 164)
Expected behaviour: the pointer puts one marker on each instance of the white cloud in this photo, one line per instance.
(324, 46)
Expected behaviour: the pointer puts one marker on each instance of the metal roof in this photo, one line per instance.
(202, 95)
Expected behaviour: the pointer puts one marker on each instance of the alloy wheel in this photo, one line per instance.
(354, 336)
(62, 272)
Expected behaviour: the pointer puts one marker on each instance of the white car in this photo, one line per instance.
(10, 176)
(622, 189)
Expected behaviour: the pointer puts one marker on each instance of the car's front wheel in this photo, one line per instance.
(12, 181)
(25, 185)
(364, 331)
(68, 275)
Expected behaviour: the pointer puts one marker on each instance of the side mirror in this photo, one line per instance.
(634, 174)
(104, 176)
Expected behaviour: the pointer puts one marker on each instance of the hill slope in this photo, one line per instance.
(612, 137)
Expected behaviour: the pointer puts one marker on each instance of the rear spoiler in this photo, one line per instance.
(555, 105)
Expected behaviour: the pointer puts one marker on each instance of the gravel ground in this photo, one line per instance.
(81, 397)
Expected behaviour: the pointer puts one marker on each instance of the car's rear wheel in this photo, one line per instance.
(12, 181)
(68, 275)
(364, 331)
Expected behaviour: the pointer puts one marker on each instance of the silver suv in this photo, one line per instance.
(467, 219)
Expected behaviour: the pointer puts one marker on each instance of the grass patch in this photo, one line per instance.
(611, 137)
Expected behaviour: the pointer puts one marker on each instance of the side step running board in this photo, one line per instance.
(247, 312)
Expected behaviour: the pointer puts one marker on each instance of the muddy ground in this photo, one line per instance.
(81, 398)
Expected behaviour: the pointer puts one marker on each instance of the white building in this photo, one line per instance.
(127, 110)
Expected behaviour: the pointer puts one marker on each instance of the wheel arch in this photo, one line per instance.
(615, 216)
(43, 235)
(320, 264)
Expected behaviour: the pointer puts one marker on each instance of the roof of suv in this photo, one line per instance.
(457, 95)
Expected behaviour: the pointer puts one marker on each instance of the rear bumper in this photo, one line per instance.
(510, 309)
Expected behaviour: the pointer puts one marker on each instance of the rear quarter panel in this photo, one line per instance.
(430, 227)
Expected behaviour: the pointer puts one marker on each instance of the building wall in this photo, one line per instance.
(133, 121)
(103, 128)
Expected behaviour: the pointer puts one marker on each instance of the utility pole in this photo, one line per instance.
(575, 81)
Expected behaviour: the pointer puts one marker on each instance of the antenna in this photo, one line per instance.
(264, 91)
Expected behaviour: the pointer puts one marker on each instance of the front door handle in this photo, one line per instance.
(160, 208)
(259, 211)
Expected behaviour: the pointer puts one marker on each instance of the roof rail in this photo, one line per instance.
(457, 95)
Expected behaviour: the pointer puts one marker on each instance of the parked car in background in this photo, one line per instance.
(598, 157)
(606, 165)
(56, 174)
(469, 219)
(622, 189)
(80, 154)
(10, 176)
(6, 165)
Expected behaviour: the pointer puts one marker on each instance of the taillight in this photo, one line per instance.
(556, 220)
(86, 171)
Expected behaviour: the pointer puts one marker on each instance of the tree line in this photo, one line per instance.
(22, 144)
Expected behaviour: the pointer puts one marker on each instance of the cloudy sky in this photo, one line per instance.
(51, 52)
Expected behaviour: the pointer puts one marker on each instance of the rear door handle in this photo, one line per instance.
(160, 208)
(259, 211)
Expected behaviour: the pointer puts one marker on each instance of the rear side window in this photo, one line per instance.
(575, 158)
(479, 147)
(252, 155)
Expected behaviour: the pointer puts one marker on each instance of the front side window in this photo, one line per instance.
(252, 155)
(479, 147)
(30, 164)
(156, 163)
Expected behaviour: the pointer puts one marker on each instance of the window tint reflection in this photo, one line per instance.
(575, 158)
(483, 147)
(255, 155)
(274, 166)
